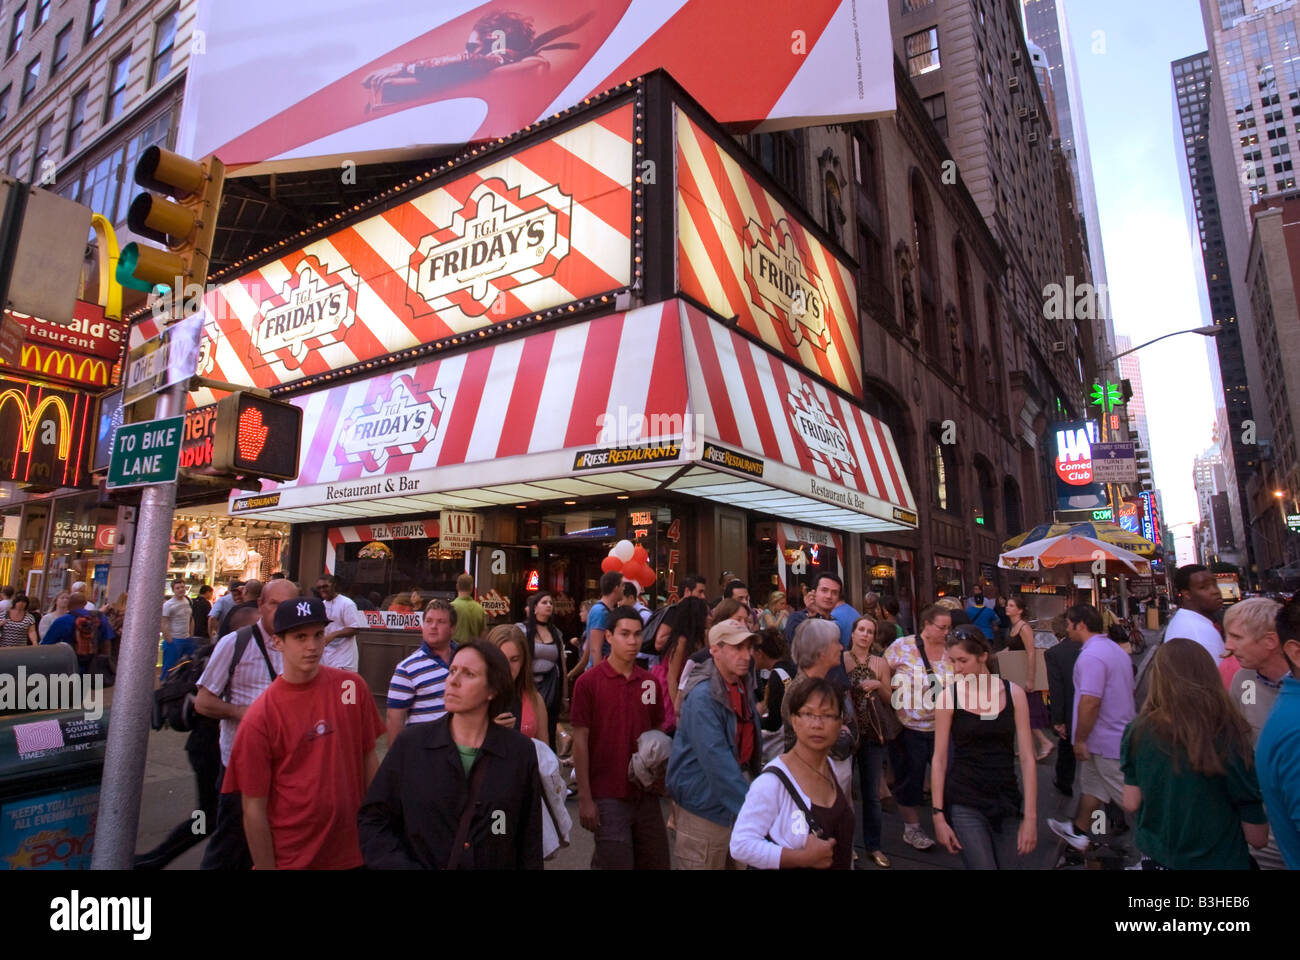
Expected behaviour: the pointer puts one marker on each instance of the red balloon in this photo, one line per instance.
(611, 564)
(649, 579)
(633, 570)
(639, 554)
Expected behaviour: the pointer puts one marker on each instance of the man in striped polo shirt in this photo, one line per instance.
(415, 693)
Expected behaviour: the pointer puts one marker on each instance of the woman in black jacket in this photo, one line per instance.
(460, 792)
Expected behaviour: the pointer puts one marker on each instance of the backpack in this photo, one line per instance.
(86, 630)
(651, 629)
(173, 701)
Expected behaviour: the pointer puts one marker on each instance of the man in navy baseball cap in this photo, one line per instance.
(305, 753)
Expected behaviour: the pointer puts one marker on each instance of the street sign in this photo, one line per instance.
(1293, 522)
(166, 359)
(146, 453)
(1114, 463)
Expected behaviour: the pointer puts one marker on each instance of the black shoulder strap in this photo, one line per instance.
(920, 646)
(266, 658)
(780, 774)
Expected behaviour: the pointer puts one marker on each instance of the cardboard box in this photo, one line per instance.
(1012, 664)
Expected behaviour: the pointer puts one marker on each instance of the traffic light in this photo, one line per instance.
(184, 225)
(256, 437)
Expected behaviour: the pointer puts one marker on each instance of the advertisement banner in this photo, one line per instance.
(392, 75)
(86, 352)
(743, 255)
(51, 832)
(1129, 518)
(542, 227)
(1076, 486)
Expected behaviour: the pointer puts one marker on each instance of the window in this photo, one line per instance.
(833, 206)
(4, 102)
(911, 6)
(16, 37)
(924, 254)
(42, 12)
(76, 120)
(117, 76)
(922, 50)
(937, 108)
(155, 134)
(1011, 504)
(95, 22)
(943, 473)
(1259, 46)
(988, 493)
(1232, 53)
(1230, 10)
(44, 135)
(62, 47)
(778, 154)
(975, 373)
(164, 45)
(30, 76)
(11, 167)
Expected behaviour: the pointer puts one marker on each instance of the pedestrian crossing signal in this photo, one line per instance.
(256, 437)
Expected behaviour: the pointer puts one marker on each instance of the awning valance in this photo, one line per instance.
(658, 398)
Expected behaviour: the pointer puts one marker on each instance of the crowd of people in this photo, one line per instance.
(717, 733)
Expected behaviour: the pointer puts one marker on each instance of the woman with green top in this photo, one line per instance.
(1188, 768)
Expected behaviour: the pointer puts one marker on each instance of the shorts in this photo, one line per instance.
(1101, 777)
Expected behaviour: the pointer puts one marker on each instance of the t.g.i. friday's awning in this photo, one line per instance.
(658, 398)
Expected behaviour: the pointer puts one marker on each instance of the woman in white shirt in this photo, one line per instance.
(795, 814)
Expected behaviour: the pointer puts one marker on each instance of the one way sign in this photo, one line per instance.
(1114, 463)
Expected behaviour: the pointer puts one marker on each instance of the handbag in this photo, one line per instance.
(877, 719)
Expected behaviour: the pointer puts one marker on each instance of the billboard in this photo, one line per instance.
(1130, 515)
(743, 255)
(294, 79)
(1150, 522)
(1076, 488)
(84, 353)
(47, 434)
(544, 226)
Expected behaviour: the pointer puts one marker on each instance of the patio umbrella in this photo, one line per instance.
(1111, 533)
(1072, 549)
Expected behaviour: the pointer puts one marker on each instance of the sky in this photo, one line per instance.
(1122, 53)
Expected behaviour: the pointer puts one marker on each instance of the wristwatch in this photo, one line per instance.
(937, 811)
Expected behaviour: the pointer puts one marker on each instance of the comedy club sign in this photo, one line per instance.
(547, 225)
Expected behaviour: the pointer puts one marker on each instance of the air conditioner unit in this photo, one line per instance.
(1033, 137)
(1033, 114)
(1022, 112)
(1058, 346)
(1015, 56)
(1013, 83)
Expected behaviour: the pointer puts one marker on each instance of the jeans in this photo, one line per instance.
(871, 764)
(631, 835)
(985, 845)
(228, 847)
(909, 753)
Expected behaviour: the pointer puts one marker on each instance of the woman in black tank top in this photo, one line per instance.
(978, 809)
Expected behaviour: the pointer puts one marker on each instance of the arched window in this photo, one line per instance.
(975, 374)
(833, 205)
(946, 492)
(988, 492)
(1011, 506)
(924, 251)
(999, 372)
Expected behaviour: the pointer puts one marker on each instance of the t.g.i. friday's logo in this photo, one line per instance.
(783, 286)
(315, 308)
(822, 432)
(404, 420)
(497, 241)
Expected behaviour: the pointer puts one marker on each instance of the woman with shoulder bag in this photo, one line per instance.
(795, 814)
(877, 725)
(549, 675)
(443, 785)
(1020, 636)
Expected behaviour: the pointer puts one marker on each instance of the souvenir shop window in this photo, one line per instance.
(388, 572)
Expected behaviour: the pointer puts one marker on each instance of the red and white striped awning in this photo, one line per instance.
(883, 552)
(657, 398)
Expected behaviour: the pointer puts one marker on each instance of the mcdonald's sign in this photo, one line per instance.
(45, 434)
(51, 363)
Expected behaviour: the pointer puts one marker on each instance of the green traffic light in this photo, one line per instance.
(127, 262)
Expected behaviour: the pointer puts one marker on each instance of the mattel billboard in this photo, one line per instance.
(310, 78)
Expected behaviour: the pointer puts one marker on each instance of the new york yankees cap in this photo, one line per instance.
(299, 612)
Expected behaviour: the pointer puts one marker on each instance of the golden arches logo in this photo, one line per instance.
(64, 364)
(31, 417)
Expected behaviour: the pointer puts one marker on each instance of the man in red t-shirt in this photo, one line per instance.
(613, 704)
(304, 755)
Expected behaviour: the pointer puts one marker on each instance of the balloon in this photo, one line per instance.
(649, 579)
(633, 570)
(611, 564)
(623, 550)
(640, 554)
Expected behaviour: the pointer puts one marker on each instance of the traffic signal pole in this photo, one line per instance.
(132, 712)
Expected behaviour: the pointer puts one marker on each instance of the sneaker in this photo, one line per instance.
(917, 839)
(1065, 830)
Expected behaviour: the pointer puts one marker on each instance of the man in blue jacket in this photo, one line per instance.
(981, 615)
(717, 750)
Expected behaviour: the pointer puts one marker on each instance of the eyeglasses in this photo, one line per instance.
(818, 719)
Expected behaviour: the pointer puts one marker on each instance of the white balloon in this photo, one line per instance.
(623, 550)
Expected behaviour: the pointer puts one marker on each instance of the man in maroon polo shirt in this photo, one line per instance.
(613, 704)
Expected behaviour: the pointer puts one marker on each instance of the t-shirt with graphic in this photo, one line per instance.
(303, 746)
(910, 694)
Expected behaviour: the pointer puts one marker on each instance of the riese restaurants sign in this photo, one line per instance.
(549, 224)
